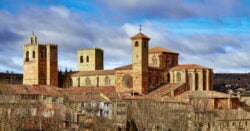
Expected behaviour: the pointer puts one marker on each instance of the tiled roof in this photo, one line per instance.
(189, 66)
(96, 72)
(163, 90)
(129, 67)
(41, 89)
(126, 67)
(82, 90)
(159, 50)
(140, 35)
(86, 98)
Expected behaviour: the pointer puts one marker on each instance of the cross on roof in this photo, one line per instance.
(140, 28)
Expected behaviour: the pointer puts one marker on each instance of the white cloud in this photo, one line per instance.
(59, 25)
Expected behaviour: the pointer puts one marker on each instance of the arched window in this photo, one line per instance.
(87, 81)
(27, 56)
(34, 54)
(190, 80)
(81, 59)
(136, 44)
(154, 60)
(87, 59)
(107, 81)
(178, 77)
(32, 40)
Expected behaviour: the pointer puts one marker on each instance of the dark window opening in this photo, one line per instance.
(27, 56)
(87, 59)
(34, 54)
(81, 59)
(136, 44)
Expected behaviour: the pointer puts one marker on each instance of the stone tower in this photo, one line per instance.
(40, 63)
(90, 59)
(140, 62)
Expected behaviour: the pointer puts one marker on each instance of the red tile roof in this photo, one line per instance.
(96, 72)
(86, 98)
(160, 50)
(130, 67)
(140, 35)
(82, 90)
(41, 89)
(126, 67)
(189, 66)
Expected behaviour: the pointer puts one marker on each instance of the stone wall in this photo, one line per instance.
(94, 80)
(90, 59)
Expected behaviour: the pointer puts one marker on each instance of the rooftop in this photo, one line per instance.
(160, 50)
(189, 66)
(140, 35)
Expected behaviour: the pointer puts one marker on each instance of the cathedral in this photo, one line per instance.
(150, 68)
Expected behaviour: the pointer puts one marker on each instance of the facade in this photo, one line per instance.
(150, 69)
(40, 63)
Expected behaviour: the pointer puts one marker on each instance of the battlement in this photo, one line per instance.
(41, 44)
(93, 48)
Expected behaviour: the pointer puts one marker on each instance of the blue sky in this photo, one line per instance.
(213, 33)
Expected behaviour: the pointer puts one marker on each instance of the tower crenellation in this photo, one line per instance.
(40, 63)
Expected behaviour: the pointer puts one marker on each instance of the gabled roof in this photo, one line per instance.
(189, 66)
(140, 35)
(158, 49)
(39, 90)
(88, 89)
(96, 72)
(130, 67)
(126, 67)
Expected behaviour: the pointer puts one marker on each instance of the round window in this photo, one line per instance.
(127, 81)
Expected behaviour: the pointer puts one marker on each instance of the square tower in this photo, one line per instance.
(40, 63)
(140, 63)
(90, 59)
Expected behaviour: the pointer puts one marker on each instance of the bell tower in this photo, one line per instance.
(39, 63)
(140, 63)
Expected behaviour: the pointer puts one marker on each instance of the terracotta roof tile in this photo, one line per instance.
(164, 90)
(82, 90)
(140, 35)
(96, 72)
(129, 67)
(126, 67)
(86, 98)
(189, 66)
(41, 89)
(159, 50)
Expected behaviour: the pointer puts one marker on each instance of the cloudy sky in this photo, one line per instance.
(213, 33)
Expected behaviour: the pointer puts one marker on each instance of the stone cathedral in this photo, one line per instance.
(149, 69)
